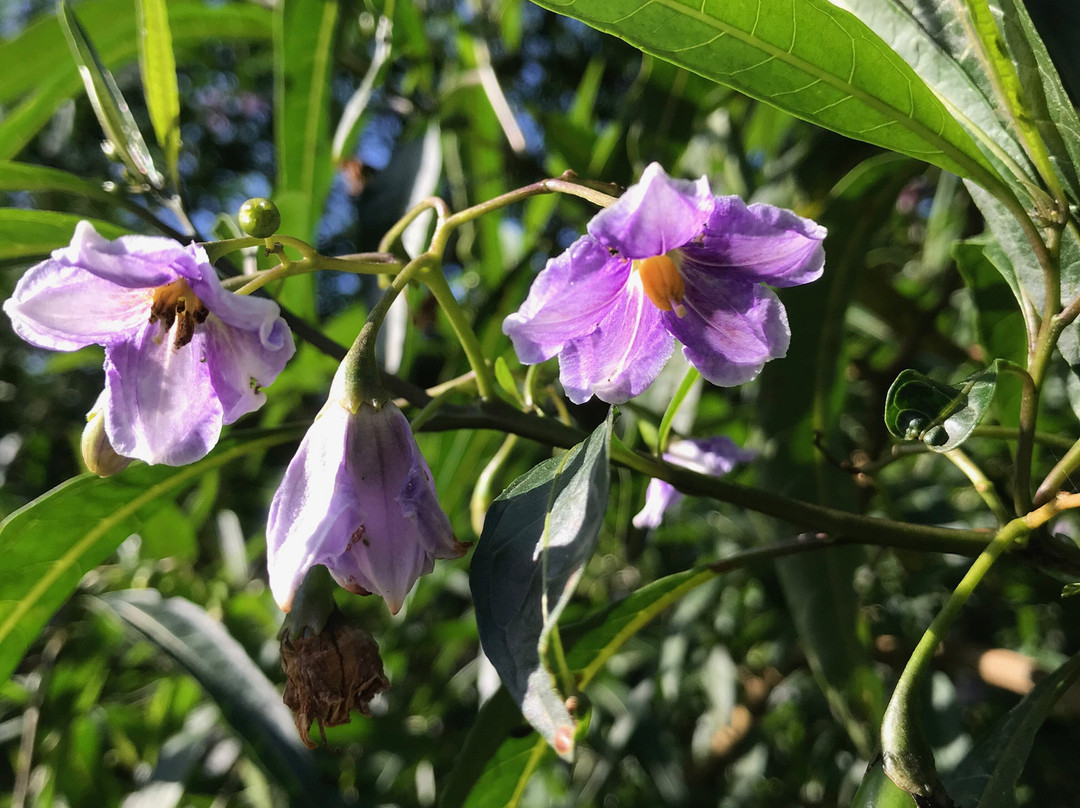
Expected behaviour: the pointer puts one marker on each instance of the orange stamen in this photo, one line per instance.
(178, 301)
(662, 282)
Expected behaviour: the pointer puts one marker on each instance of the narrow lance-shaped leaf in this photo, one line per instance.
(807, 57)
(36, 233)
(248, 700)
(537, 537)
(48, 545)
(987, 775)
(158, 67)
(109, 104)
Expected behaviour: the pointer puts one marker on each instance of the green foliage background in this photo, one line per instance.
(761, 685)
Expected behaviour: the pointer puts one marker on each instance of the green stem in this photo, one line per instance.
(312, 605)
(979, 481)
(569, 685)
(362, 381)
(485, 377)
(1058, 475)
(692, 375)
(908, 760)
(359, 264)
(486, 484)
(395, 232)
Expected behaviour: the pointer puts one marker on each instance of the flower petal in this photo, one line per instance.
(655, 215)
(162, 406)
(731, 329)
(129, 261)
(303, 529)
(759, 243)
(623, 356)
(567, 300)
(241, 364)
(255, 314)
(659, 496)
(716, 456)
(64, 308)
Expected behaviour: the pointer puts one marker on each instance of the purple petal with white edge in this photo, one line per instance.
(129, 261)
(303, 528)
(620, 358)
(759, 243)
(64, 308)
(162, 404)
(567, 300)
(731, 329)
(241, 365)
(659, 496)
(655, 215)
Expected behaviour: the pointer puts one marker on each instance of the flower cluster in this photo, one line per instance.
(183, 356)
(668, 260)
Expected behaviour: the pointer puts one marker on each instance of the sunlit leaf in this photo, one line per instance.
(49, 544)
(108, 103)
(807, 57)
(159, 79)
(31, 234)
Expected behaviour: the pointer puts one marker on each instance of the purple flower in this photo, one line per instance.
(668, 260)
(183, 356)
(358, 498)
(715, 456)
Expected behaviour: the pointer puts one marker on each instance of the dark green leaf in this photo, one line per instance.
(504, 779)
(496, 719)
(940, 415)
(807, 57)
(247, 699)
(108, 103)
(987, 776)
(26, 234)
(159, 79)
(537, 537)
(49, 544)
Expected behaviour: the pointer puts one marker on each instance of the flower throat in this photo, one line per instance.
(177, 303)
(662, 282)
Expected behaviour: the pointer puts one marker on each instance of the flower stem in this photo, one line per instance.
(692, 375)
(360, 264)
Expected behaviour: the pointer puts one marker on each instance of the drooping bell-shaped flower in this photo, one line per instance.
(359, 498)
(668, 260)
(183, 356)
(715, 456)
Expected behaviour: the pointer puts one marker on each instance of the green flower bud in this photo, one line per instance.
(98, 454)
(259, 217)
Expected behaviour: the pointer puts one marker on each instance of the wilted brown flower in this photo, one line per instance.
(330, 674)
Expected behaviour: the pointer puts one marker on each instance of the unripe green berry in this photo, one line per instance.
(259, 217)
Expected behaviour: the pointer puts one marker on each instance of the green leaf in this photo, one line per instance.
(248, 700)
(537, 537)
(305, 32)
(36, 233)
(942, 416)
(1043, 103)
(934, 42)
(496, 719)
(503, 781)
(49, 544)
(1070, 590)
(39, 70)
(108, 103)
(807, 57)
(158, 66)
(506, 380)
(987, 775)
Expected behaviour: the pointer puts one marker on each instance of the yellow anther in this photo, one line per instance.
(662, 283)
